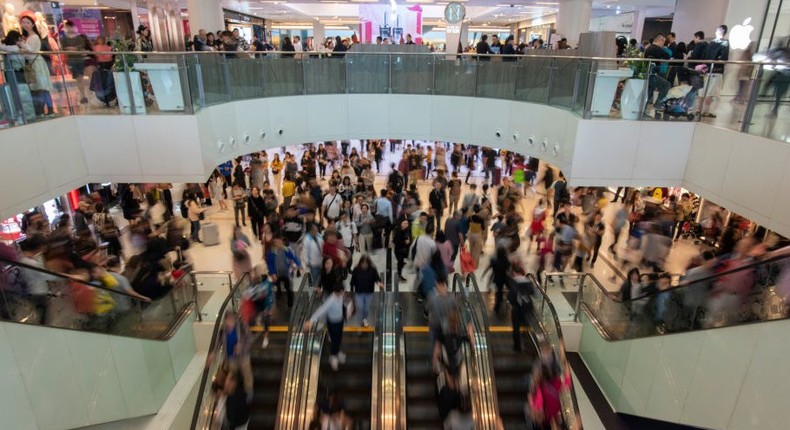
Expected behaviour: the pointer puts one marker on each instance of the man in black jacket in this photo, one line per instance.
(716, 50)
(437, 202)
(483, 48)
(655, 81)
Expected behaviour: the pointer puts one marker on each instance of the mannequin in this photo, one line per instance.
(10, 21)
(41, 24)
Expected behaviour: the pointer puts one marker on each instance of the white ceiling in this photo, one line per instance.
(480, 12)
(345, 12)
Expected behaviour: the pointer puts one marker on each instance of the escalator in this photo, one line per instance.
(267, 366)
(352, 381)
(276, 370)
(421, 411)
(421, 382)
(91, 330)
(718, 322)
(511, 368)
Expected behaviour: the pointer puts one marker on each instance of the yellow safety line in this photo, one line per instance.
(406, 329)
(284, 329)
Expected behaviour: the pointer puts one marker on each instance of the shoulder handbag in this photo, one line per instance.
(29, 72)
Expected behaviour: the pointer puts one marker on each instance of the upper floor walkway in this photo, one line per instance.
(188, 112)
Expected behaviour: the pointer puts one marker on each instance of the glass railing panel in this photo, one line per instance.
(194, 78)
(767, 88)
(496, 79)
(454, 77)
(283, 77)
(532, 79)
(246, 77)
(585, 69)
(563, 82)
(31, 295)
(172, 83)
(368, 73)
(724, 293)
(324, 76)
(412, 74)
(214, 78)
(204, 417)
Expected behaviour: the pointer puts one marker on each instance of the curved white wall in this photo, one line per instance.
(42, 160)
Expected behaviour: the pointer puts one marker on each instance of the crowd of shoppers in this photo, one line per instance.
(86, 246)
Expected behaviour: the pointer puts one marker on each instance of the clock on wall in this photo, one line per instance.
(454, 13)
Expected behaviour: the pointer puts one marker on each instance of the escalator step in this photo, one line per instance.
(426, 411)
(421, 389)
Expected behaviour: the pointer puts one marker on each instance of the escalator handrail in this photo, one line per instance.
(472, 279)
(205, 377)
(67, 278)
(296, 322)
(180, 314)
(400, 354)
(491, 408)
(556, 321)
(773, 257)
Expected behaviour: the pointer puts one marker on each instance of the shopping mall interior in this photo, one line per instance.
(370, 214)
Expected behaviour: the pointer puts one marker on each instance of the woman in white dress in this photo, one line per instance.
(42, 85)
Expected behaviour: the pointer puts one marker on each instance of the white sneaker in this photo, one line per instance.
(333, 362)
(365, 322)
(341, 357)
(265, 342)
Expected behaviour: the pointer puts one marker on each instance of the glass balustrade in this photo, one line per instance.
(182, 83)
(721, 293)
(99, 305)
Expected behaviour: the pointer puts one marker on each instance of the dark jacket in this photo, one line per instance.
(483, 48)
(402, 241)
(256, 207)
(364, 281)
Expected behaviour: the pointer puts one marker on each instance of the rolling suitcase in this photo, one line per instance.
(210, 233)
(496, 176)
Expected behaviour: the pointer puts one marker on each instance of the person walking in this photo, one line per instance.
(280, 259)
(194, 212)
(364, 279)
(332, 312)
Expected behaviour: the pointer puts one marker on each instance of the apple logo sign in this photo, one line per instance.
(741, 35)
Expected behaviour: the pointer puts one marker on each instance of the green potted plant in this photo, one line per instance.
(124, 65)
(633, 97)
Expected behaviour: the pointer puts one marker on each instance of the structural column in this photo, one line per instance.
(319, 35)
(573, 19)
(206, 15)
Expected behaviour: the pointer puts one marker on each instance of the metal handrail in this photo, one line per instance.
(67, 278)
(775, 256)
(212, 346)
(442, 55)
(482, 376)
(556, 321)
(293, 363)
(490, 375)
(180, 314)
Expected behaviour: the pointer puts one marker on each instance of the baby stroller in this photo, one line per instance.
(681, 99)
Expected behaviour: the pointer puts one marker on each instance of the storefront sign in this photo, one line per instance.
(87, 21)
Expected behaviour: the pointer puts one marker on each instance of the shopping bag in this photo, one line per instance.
(349, 307)
(467, 262)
